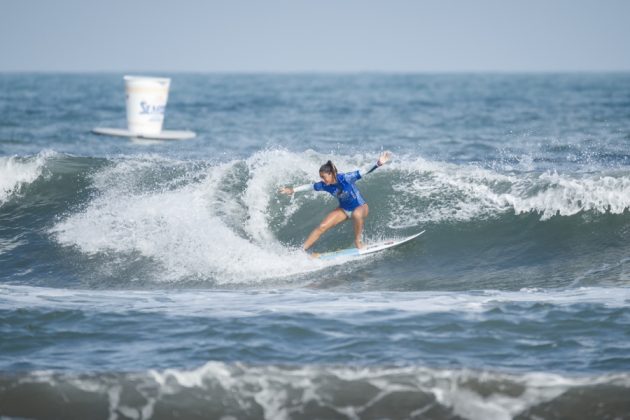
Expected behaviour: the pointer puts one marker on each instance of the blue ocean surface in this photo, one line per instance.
(165, 279)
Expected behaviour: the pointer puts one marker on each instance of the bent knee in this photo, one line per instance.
(361, 212)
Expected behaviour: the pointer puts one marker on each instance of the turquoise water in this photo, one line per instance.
(164, 279)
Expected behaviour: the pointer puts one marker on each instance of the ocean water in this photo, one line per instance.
(143, 279)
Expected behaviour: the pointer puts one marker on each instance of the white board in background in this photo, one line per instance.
(164, 135)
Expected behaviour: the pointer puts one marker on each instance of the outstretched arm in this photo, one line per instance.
(382, 160)
(291, 190)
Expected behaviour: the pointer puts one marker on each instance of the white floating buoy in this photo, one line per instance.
(163, 135)
(146, 99)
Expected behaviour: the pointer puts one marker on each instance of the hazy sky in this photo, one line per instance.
(317, 35)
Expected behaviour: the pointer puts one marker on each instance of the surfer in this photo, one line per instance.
(351, 203)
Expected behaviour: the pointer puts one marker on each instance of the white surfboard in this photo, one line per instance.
(369, 249)
(164, 135)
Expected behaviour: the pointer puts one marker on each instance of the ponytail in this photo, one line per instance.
(329, 168)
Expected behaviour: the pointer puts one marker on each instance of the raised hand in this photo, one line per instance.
(384, 158)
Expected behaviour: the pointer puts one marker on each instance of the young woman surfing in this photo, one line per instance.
(351, 203)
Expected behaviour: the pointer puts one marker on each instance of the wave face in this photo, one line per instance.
(147, 220)
(143, 279)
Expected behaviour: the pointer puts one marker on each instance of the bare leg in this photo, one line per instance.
(334, 218)
(358, 216)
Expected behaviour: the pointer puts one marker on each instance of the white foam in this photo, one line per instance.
(280, 392)
(269, 170)
(465, 192)
(191, 227)
(16, 172)
(198, 224)
(289, 301)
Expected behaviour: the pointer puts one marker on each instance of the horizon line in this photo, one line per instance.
(321, 72)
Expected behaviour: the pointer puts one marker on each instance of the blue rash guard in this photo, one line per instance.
(344, 190)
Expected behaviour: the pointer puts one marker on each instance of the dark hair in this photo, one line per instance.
(329, 168)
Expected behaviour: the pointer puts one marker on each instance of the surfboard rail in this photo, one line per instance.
(369, 249)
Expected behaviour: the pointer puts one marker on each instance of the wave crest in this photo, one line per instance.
(15, 172)
(434, 192)
(220, 390)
